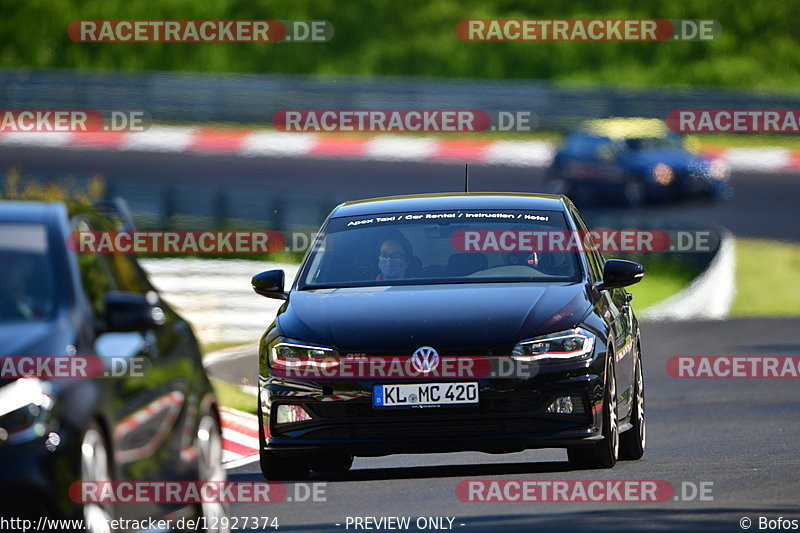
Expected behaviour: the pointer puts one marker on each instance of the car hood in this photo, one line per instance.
(454, 319)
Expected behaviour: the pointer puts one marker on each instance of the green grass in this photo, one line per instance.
(662, 279)
(767, 278)
(229, 395)
(757, 48)
(657, 286)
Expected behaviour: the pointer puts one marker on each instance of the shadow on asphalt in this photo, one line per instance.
(446, 471)
(426, 472)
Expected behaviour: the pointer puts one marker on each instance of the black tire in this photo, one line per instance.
(332, 463)
(632, 442)
(605, 453)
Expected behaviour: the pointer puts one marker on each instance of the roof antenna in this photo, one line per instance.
(466, 178)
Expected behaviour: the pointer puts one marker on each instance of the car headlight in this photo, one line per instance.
(663, 174)
(572, 344)
(298, 356)
(25, 406)
(718, 170)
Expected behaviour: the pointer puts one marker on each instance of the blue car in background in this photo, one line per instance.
(633, 160)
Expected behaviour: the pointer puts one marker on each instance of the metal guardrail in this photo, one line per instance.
(254, 98)
(184, 205)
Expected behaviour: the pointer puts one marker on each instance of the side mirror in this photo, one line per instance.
(270, 284)
(131, 311)
(619, 273)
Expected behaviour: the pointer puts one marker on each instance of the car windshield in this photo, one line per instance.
(423, 248)
(26, 284)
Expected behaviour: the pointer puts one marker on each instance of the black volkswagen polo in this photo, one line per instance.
(443, 323)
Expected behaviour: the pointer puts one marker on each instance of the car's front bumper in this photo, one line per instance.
(510, 416)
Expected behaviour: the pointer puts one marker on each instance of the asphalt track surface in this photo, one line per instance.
(740, 434)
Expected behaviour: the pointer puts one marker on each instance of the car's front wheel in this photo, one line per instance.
(96, 468)
(605, 453)
(210, 469)
(633, 441)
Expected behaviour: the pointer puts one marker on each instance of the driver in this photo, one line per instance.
(394, 255)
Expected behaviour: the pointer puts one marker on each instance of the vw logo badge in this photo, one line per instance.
(425, 359)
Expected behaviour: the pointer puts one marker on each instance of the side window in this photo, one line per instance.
(596, 259)
(128, 276)
(96, 278)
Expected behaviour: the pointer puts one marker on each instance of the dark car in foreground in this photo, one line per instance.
(631, 161)
(425, 324)
(148, 413)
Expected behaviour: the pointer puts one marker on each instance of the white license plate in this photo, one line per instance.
(410, 395)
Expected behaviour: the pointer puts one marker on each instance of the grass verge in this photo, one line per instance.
(229, 395)
(767, 278)
(662, 279)
(658, 285)
(209, 347)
